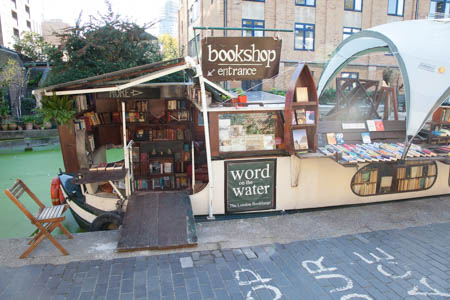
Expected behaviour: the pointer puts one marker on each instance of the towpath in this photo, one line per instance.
(402, 252)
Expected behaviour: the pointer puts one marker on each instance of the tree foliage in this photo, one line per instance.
(11, 78)
(102, 45)
(32, 46)
(169, 47)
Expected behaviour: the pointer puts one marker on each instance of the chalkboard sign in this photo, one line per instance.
(135, 93)
(250, 185)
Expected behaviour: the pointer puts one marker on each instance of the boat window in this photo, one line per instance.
(389, 178)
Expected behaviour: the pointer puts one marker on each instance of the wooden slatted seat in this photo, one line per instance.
(47, 219)
(50, 212)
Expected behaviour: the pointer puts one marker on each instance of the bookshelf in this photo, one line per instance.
(389, 178)
(162, 131)
(301, 112)
(439, 126)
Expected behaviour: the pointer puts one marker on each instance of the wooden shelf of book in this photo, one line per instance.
(163, 136)
(383, 178)
(439, 126)
(301, 104)
(301, 112)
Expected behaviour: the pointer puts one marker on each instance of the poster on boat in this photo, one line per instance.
(250, 185)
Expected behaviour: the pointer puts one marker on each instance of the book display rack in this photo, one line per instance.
(162, 133)
(388, 178)
(301, 112)
(162, 130)
(440, 126)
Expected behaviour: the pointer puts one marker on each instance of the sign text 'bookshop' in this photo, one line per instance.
(240, 58)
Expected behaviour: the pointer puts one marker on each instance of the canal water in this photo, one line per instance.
(36, 168)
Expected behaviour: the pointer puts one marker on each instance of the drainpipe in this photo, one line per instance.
(417, 9)
(225, 9)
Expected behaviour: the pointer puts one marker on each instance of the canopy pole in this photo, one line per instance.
(207, 143)
(193, 166)
(125, 151)
(198, 70)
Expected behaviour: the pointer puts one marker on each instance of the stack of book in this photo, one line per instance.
(415, 178)
(374, 152)
(81, 103)
(365, 183)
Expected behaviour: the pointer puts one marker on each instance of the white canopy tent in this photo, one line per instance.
(421, 48)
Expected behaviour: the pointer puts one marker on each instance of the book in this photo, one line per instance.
(371, 125)
(167, 167)
(294, 118)
(301, 94)
(331, 138)
(385, 185)
(310, 117)
(135, 154)
(300, 139)
(301, 116)
(339, 138)
(366, 137)
(155, 168)
(379, 125)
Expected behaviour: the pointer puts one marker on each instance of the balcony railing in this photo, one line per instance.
(438, 15)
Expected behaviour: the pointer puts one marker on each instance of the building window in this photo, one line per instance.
(348, 31)
(355, 5)
(249, 23)
(305, 2)
(439, 9)
(29, 24)
(194, 11)
(395, 7)
(192, 47)
(27, 10)
(353, 75)
(14, 16)
(304, 36)
(16, 32)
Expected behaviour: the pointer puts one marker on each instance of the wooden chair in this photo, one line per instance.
(47, 219)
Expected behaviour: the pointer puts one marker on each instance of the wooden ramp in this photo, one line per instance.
(158, 220)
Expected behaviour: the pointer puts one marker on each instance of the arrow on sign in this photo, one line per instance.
(210, 73)
(135, 93)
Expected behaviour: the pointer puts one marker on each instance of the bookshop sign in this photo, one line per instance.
(240, 58)
(250, 185)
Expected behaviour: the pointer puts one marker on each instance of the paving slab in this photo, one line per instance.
(249, 232)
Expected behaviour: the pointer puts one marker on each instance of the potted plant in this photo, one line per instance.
(28, 122)
(242, 98)
(38, 119)
(4, 110)
(12, 125)
(5, 123)
(58, 109)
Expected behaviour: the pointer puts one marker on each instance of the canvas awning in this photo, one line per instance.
(421, 49)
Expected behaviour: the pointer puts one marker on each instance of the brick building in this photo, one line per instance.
(319, 26)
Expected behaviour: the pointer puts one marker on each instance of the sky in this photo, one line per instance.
(139, 11)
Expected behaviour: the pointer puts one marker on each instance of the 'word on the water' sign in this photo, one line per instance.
(240, 58)
(250, 185)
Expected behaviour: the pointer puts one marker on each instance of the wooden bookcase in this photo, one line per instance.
(162, 131)
(440, 119)
(389, 178)
(296, 103)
